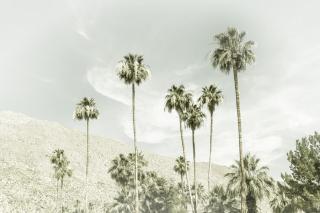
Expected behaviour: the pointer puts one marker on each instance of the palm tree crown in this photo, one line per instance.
(180, 167)
(60, 164)
(257, 181)
(211, 96)
(194, 117)
(178, 99)
(86, 109)
(122, 169)
(233, 52)
(132, 69)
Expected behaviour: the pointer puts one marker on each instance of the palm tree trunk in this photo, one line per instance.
(57, 194)
(87, 168)
(210, 151)
(185, 161)
(194, 173)
(61, 196)
(135, 151)
(236, 86)
(251, 203)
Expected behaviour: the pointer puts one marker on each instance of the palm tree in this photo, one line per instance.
(201, 193)
(194, 119)
(212, 97)
(281, 203)
(220, 201)
(124, 202)
(233, 53)
(61, 170)
(122, 169)
(133, 71)
(258, 183)
(86, 110)
(180, 168)
(179, 100)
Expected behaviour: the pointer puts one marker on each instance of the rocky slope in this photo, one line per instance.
(26, 176)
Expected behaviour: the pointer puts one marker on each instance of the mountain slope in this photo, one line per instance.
(26, 175)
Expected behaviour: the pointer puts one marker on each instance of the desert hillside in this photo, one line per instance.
(26, 175)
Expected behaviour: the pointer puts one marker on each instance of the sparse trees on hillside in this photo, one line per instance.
(61, 170)
(133, 71)
(234, 54)
(194, 119)
(258, 183)
(211, 97)
(86, 110)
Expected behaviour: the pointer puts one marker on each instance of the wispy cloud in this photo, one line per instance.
(83, 34)
(153, 123)
(105, 81)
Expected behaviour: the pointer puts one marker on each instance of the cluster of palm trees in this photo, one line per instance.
(249, 183)
(191, 115)
(258, 185)
(233, 53)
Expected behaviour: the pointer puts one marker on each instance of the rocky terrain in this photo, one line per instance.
(26, 175)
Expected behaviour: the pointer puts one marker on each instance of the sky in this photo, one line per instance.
(54, 52)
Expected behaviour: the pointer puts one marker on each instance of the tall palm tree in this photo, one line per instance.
(194, 119)
(86, 110)
(212, 97)
(180, 168)
(258, 183)
(61, 170)
(220, 201)
(179, 100)
(132, 70)
(234, 53)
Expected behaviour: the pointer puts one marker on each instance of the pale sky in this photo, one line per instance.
(53, 53)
